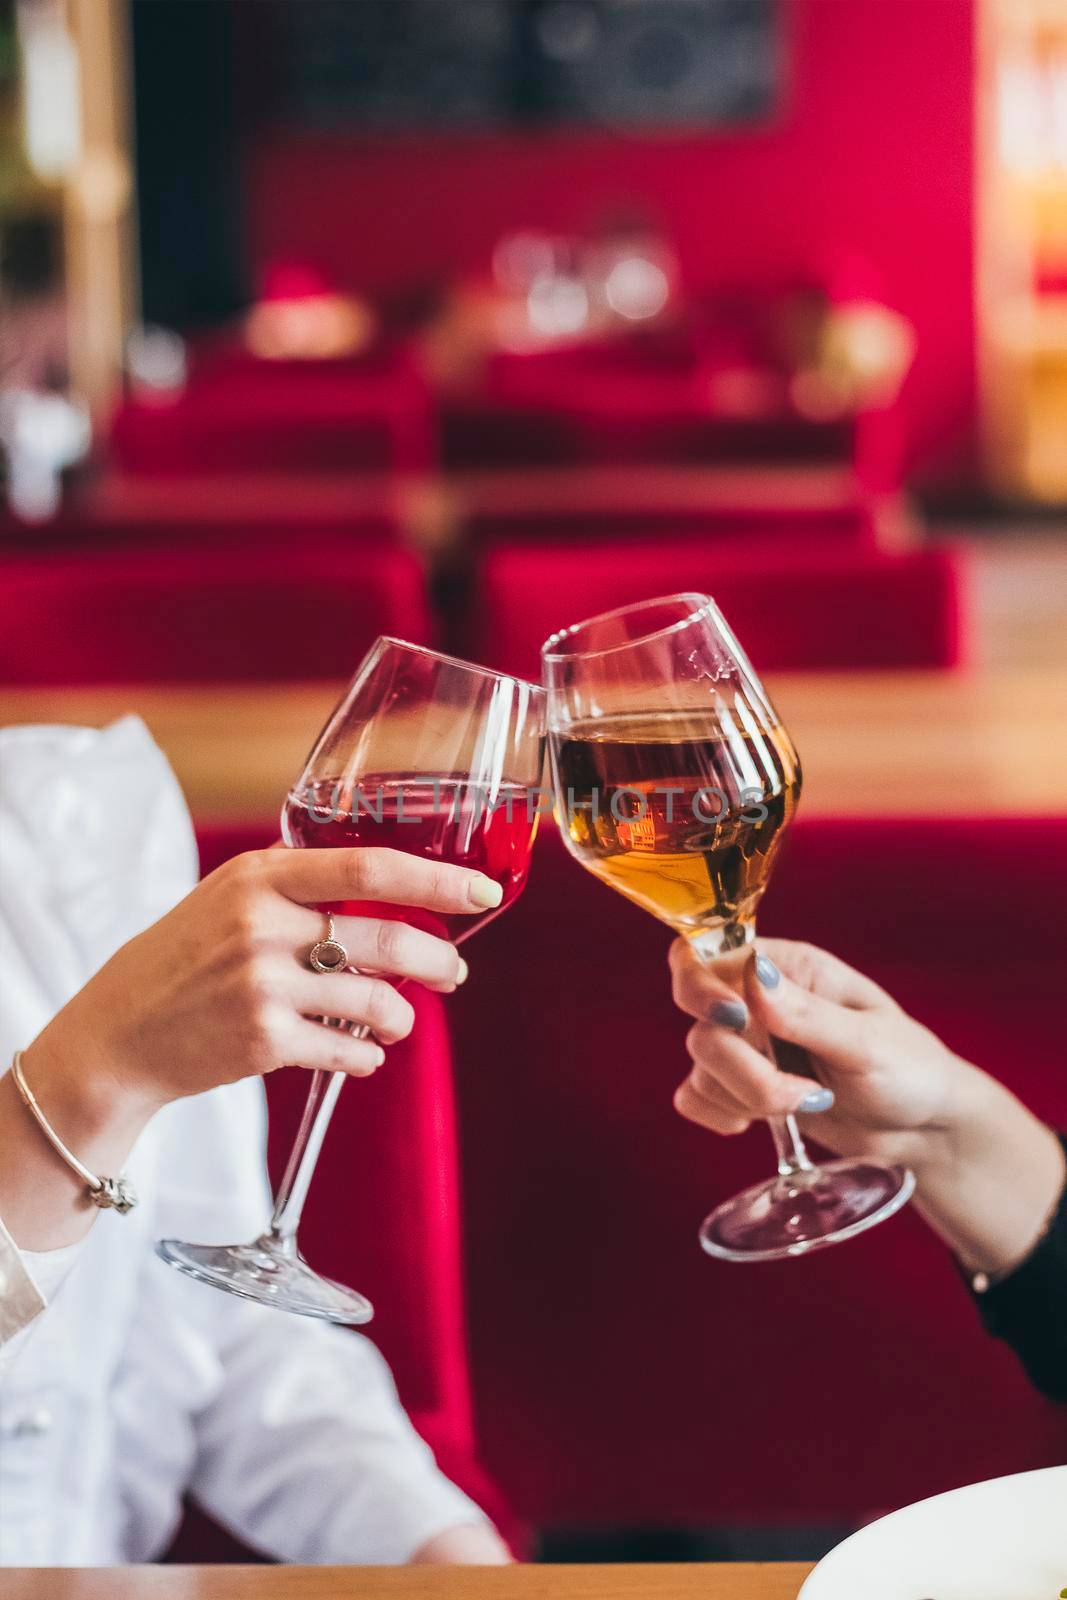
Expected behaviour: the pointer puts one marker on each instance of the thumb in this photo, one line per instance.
(793, 1013)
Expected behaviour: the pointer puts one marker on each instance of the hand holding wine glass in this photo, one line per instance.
(675, 782)
(428, 760)
(988, 1172)
(881, 1084)
(218, 990)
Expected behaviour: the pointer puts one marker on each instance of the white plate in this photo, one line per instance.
(1001, 1540)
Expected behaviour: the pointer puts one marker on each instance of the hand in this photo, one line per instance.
(866, 1079)
(879, 1083)
(220, 988)
(471, 1544)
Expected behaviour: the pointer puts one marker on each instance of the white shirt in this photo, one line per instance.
(122, 1384)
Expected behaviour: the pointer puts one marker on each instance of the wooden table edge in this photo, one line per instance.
(771, 1580)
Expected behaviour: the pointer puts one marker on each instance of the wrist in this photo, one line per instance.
(964, 1128)
(88, 1103)
(989, 1176)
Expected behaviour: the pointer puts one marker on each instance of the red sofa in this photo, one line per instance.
(239, 414)
(827, 609)
(620, 1377)
(746, 522)
(623, 1379)
(190, 613)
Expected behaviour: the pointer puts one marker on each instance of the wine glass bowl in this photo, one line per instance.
(444, 818)
(675, 782)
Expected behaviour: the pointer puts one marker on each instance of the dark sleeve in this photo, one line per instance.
(1028, 1309)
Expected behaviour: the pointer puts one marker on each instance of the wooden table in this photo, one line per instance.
(889, 744)
(721, 1581)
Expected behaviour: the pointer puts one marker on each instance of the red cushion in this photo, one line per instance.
(240, 415)
(253, 507)
(824, 609)
(485, 433)
(383, 1213)
(621, 1377)
(627, 401)
(190, 614)
(779, 527)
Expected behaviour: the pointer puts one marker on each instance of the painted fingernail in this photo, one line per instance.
(767, 972)
(463, 971)
(817, 1100)
(730, 1014)
(485, 893)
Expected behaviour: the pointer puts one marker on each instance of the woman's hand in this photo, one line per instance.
(880, 1082)
(217, 990)
(865, 1079)
(221, 987)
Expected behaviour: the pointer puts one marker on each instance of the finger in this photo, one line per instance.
(710, 1108)
(369, 1002)
(398, 950)
(309, 1044)
(317, 877)
(699, 983)
(841, 1035)
(826, 975)
(722, 1059)
(375, 945)
(708, 989)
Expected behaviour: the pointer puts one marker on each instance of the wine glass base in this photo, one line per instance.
(793, 1216)
(271, 1275)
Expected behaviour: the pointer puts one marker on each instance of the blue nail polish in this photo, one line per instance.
(767, 972)
(817, 1100)
(730, 1014)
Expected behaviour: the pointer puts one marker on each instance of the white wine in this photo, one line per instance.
(678, 812)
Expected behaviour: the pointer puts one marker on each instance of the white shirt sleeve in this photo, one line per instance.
(308, 1454)
(95, 842)
(299, 1442)
(21, 1299)
(29, 1281)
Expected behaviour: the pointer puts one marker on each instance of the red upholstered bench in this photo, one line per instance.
(622, 1378)
(195, 614)
(255, 508)
(239, 414)
(596, 404)
(756, 526)
(828, 609)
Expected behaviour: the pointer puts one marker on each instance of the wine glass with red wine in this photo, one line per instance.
(435, 757)
(675, 783)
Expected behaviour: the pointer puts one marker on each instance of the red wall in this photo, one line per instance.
(871, 153)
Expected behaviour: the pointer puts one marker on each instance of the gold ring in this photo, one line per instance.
(329, 955)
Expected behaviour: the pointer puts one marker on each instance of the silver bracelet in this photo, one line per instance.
(107, 1193)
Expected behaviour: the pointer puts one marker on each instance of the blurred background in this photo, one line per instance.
(462, 319)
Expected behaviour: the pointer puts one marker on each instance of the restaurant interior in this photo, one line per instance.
(460, 321)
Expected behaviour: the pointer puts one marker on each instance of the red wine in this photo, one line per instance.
(445, 818)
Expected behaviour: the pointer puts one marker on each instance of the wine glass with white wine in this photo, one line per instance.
(675, 781)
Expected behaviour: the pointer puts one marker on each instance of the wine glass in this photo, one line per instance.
(424, 754)
(675, 782)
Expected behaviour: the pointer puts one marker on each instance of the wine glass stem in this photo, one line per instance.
(292, 1191)
(788, 1144)
(792, 1156)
